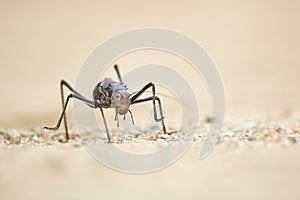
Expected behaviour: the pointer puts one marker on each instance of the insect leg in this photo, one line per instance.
(117, 119)
(160, 108)
(139, 93)
(66, 84)
(88, 102)
(105, 124)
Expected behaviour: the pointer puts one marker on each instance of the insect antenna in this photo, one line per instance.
(118, 73)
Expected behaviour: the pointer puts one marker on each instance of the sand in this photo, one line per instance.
(252, 160)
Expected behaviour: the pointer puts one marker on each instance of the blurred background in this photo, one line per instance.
(255, 45)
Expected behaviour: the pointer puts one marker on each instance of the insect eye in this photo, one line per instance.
(118, 96)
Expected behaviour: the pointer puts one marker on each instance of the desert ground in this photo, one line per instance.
(255, 46)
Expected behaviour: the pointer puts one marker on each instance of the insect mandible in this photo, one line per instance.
(110, 93)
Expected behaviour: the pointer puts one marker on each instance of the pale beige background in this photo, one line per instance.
(255, 45)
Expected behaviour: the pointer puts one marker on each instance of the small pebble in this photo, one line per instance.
(15, 136)
(292, 140)
(247, 133)
(228, 133)
(209, 120)
(164, 136)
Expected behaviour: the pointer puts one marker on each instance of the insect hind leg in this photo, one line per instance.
(76, 95)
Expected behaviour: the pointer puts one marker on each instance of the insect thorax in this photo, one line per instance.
(105, 89)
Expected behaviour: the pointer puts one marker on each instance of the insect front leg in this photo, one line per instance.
(117, 119)
(154, 98)
(105, 124)
(139, 93)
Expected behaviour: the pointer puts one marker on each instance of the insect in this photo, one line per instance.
(110, 93)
